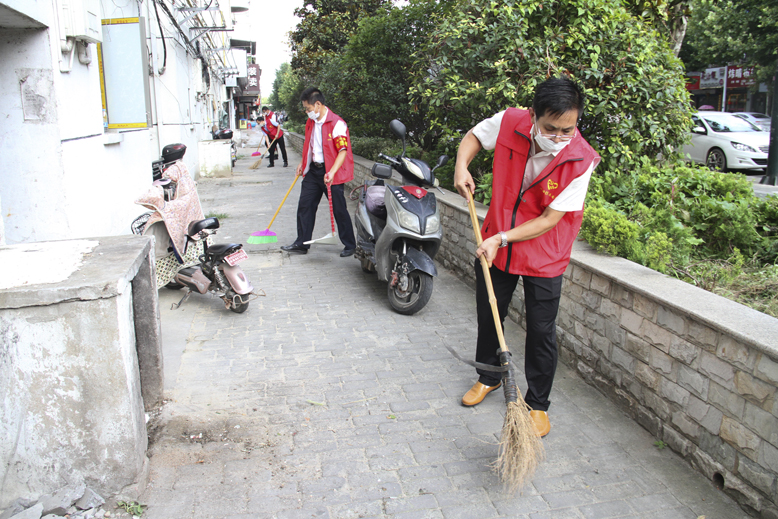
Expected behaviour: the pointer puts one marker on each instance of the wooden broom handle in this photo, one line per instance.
(487, 274)
(282, 201)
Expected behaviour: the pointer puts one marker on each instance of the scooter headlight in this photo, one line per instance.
(406, 219)
(433, 224)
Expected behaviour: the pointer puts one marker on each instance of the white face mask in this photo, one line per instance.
(312, 115)
(547, 144)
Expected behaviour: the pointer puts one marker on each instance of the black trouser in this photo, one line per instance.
(272, 150)
(541, 303)
(313, 187)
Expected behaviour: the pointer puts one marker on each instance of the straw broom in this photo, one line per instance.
(259, 160)
(268, 236)
(520, 448)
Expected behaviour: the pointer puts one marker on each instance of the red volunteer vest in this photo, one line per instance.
(272, 129)
(330, 148)
(547, 255)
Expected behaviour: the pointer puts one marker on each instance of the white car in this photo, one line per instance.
(761, 120)
(722, 141)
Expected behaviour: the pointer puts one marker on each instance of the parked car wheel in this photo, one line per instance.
(717, 161)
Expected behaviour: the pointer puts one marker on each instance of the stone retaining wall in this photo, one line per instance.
(696, 370)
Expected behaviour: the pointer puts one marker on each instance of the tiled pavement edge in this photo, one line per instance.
(322, 402)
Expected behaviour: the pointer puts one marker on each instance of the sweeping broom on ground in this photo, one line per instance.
(520, 448)
(268, 236)
(259, 160)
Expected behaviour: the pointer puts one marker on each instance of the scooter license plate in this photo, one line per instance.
(236, 257)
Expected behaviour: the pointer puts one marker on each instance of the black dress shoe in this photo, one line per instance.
(286, 164)
(271, 165)
(346, 253)
(294, 248)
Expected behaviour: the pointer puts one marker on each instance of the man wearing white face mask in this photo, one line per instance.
(541, 173)
(327, 160)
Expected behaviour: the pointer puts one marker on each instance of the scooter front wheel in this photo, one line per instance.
(417, 295)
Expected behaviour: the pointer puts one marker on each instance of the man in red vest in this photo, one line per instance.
(541, 171)
(273, 130)
(327, 160)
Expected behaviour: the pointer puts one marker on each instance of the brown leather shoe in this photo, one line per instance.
(542, 425)
(477, 394)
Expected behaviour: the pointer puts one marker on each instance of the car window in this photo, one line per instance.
(760, 116)
(696, 122)
(726, 123)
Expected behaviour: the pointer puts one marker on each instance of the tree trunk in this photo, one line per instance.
(677, 21)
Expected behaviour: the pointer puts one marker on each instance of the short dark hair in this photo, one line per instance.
(311, 95)
(264, 108)
(558, 95)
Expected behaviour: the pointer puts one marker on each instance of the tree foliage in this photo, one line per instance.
(324, 29)
(369, 82)
(736, 32)
(489, 56)
(287, 87)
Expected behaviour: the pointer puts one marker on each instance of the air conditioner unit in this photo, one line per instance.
(81, 19)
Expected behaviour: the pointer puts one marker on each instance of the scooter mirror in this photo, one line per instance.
(442, 160)
(382, 170)
(398, 129)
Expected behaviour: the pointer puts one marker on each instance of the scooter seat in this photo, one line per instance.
(220, 249)
(199, 225)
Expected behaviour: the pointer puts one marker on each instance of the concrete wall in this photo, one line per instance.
(61, 174)
(79, 352)
(698, 371)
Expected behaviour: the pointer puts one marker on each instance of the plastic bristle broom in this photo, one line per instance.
(268, 236)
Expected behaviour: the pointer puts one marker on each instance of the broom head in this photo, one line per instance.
(256, 154)
(520, 449)
(266, 236)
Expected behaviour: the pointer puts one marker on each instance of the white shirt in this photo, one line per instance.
(316, 151)
(570, 199)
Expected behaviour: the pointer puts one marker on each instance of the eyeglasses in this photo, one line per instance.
(563, 138)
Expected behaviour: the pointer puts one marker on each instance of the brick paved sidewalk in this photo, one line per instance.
(322, 402)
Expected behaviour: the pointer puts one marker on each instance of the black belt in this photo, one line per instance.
(319, 165)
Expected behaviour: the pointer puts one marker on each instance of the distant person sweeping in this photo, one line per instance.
(541, 171)
(327, 164)
(273, 130)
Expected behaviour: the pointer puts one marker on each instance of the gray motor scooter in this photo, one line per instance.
(398, 228)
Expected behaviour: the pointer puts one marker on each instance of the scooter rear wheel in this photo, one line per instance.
(417, 296)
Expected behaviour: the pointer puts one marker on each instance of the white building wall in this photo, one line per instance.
(62, 176)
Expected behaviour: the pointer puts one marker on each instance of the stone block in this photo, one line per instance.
(718, 370)
(600, 285)
(662, 363)
(591, 300)
(647, 376)
(89, 500)
(761, 421)
(704, 414)
(34, 512)
(693, 381)
(615, 333)
(742, 438)
(671, 319)
(648, 420)
(700, 334)
(736, 353)
(631, 321)
(610, 310)
(623, 359)
(756, 475)
(677, 441)
(581, 276)
(601, 344)
(654, 402)
(768, 457)
(644, 307)
(585, 371)
(686, 425)
(621, 295)
(753, 389)
(673, 392)
(656, 335)
(706, 464)
(637, 347)
(59, 502)
(595, 322)
(719, 450)
(743, 493)
(767, 369)
(731, 403)
(683, 350)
